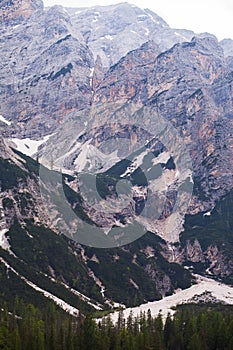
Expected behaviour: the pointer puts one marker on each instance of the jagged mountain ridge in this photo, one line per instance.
(112, 31)
(56, 57)
(192, 79)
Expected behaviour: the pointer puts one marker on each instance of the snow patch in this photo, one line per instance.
(4, 120)
(207, 214)
(109, 37)
(147, 31)
(205, 286)
(90, 158)
(4, 244)
(96, 17)
(28, 146)
(162, 158)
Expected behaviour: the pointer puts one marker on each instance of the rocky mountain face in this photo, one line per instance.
(190, 87)
(15, 11)
(207, 240)
(51, 53)
(123, 97)
(43, 264)
(112, 31)
(50, 63)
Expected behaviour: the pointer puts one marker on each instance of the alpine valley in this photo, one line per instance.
(115, 93)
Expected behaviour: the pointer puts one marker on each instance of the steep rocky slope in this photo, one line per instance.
(46, 77)
(13, 12)
(123, 104)
(41, 263)
(189, 86)
(50, 53)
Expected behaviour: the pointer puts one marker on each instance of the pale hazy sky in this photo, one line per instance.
(213, 16)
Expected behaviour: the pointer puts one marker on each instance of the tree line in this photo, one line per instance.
(29, 328)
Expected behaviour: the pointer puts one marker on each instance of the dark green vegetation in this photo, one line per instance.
(209, 327)
(206, 228)
(10, 174)
(41, 254)
(129, 274)
(46, 253)
(213, 230)
(12, 284)
(132, 263)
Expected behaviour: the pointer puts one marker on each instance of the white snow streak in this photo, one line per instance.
(181, 36)
(4, 120)
(207, 214)
(82, 297)
(92, 72)
(220, 291)
(137, 162)
(62, 304)
(147, 31)
(152, 18)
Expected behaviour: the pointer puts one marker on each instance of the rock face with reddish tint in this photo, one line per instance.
(96, 77)
(60, 70)
(190, 86)
(52, 60)
(15, 11)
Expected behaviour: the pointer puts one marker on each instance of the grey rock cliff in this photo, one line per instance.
(46, 77)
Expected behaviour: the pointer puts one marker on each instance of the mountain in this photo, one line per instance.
(189, 87)
(15, 11)
(130, 126)
(40, 262)
(51, 54)
(112, 31)
(48, 63)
